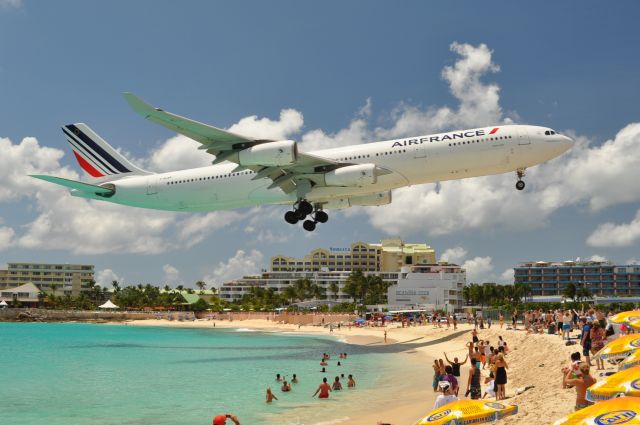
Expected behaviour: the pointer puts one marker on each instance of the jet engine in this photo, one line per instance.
(370, 200)
(271, 154)
(352, 175)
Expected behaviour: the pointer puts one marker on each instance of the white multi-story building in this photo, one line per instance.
(431, 286)
(279, 281)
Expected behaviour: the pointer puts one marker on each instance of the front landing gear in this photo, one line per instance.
(520, 183)
(301, 211)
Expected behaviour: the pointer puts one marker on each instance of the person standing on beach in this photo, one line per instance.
(473, 384)
(324, 389)
(385, 336)
(501, 318)
(585, 339)
(501, 376)
(598, 338)
(581, 384)
(455, 365)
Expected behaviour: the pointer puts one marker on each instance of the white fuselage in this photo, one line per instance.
(413, 160)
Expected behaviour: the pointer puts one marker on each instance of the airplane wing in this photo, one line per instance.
(226, 146)
(72, 184)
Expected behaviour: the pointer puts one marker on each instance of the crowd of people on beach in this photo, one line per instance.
(594, 329)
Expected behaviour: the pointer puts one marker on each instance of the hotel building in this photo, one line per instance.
(601, 278)
(398, 263)
(69, 279)
(389, 255)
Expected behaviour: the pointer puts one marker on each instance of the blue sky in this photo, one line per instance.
(572, 68)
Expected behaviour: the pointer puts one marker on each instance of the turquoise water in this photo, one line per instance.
(72, 373)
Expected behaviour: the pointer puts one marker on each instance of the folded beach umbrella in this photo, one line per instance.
(617, 411)
(626, 316)
(625, 382)
(630, 361)
(620, 348)
(464, 412)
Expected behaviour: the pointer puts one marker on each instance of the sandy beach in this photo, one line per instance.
(534, 360)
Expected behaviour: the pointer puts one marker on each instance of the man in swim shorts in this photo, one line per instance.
(222, 419)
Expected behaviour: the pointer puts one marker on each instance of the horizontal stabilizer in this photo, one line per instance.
(72, 184)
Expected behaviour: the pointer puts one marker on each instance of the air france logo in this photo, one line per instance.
(446, 136)
(635, 343)
(495, 405)
(437, 416)
(617, 417)
(635, 384)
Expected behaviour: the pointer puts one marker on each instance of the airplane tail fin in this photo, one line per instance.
(96, 157)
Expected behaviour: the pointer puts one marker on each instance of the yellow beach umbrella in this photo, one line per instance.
(463, 412)
(626, 316)
(625, 382)
(617, 411)
(630, 361)
(621, 347)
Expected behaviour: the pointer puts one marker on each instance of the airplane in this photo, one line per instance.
(247, 171)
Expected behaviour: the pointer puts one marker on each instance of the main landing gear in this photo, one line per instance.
(301, 211)
(520, 173)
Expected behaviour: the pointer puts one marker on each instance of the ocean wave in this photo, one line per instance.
(333, 421)
(245, 330)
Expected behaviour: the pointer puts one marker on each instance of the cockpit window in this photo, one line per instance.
(549, 133)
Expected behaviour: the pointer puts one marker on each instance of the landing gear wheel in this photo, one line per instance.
(520, 185)
(309, 225)
(291, 217)
(305, 208)
(321, 216)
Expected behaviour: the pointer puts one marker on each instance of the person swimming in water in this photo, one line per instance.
(294, 379)
(337, 386)
(278, 377)
(270, 395)
(324, 389)
(286, 387)
(351, 383)
(323, 370)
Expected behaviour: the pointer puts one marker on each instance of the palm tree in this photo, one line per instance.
(53, 287)
(180, 288)
(167, 288)
(201, 285)
(116, 286)
(334, 288)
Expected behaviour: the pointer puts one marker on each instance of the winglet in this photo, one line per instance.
(139, 105)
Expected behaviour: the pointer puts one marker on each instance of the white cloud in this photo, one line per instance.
(241, 264)
(454, 255)
(171, 274)
(105, 278)
(596, 257)
(6, 237)
(195, 228)
(290, 122)
(11, 4)
(478, 269)
(478, 102)
(506, 276)
(616, 235)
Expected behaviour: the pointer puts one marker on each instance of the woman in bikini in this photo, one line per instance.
(473, 384)
(581, 384)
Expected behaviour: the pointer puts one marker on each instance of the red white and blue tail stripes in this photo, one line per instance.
(94, 155)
